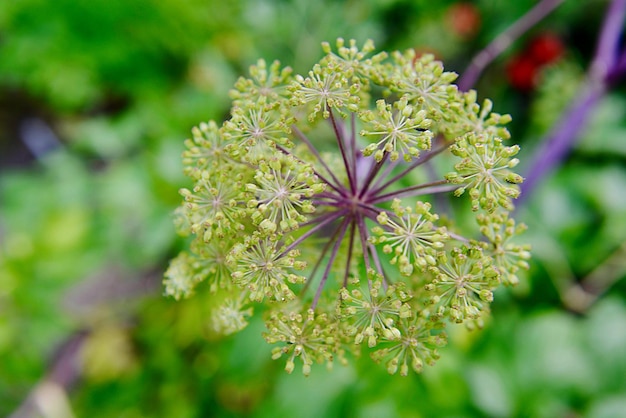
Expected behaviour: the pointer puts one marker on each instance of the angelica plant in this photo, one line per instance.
(319, 203)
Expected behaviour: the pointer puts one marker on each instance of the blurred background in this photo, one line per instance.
(96, 98)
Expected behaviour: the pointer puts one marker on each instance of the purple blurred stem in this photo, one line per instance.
(559, 142)
(606, 68)
(504, 40)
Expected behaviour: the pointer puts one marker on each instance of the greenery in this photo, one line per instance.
(95, 102)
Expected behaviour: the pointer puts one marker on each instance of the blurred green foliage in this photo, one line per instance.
(86, 229)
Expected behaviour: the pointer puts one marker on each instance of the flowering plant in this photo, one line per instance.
(320, 200)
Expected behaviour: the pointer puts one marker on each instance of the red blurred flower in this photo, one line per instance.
(521, 72)
(546, 48)
(463, 19)
(542, 50)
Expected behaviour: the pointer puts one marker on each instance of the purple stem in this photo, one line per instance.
(559, 142)
(563, 136)
(440, 201)
(318, 174)
(320, 218)
(350, 246)
(326, 203)
(372, 174)
(504, 40)
(457, 237)
(318, 263)
(328, 195)
(337, 184)
(430, 188)
(410, 168)
(370, 208)
(342, 147)
(379, 267)
(333, 255)
(388, 170)
(323, 220)
(607, 50)
(353, 151)
(363, 235)
(618, 71)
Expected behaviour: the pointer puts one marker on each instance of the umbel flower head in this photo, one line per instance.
(322, 200)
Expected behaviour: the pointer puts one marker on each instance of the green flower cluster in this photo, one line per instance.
(320, 199)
